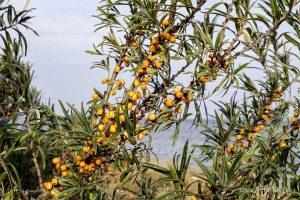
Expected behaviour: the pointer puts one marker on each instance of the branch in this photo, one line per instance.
(34, 156)
(200, 3)
(265, 35)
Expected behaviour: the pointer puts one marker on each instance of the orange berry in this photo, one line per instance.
(130, 105)
(63, 167)
(86, 149)
(157, 64)
(136, 82)
(95, 96)
(294, 120)
(100, 111)
(140, 136)
(134, 97)
(139, 94)
(173, 39)
(178, 95)
(250, 136)
(161, 33)
(57, 166)
(256, 129)
(78, 158)
(165, 22)
(98, 161)
(64, 173)
(147, 79)
(101, 127)
(282, 145)
(82, 164)
(152, 117)
(151, 58)
(54, 181)
(130, 94)
(112, 129)
(56, 160)
(143, 86)
(111, 114)
(154, 40)
(133, 141)
(261, 127)
(169, 102)
(202, 79)
(140, 71)
(104, 81)
(122, 118)
(47, 185)
(239, 137)
(126, 59)
(148, 70)
(117, 69)
(127, 64)
(145, 63)
(152, 48)
(167, 36)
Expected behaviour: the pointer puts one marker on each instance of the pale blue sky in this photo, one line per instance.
(62, 68)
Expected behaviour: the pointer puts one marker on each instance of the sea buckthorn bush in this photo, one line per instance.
(231, 66)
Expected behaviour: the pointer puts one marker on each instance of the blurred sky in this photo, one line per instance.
(62, 68)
